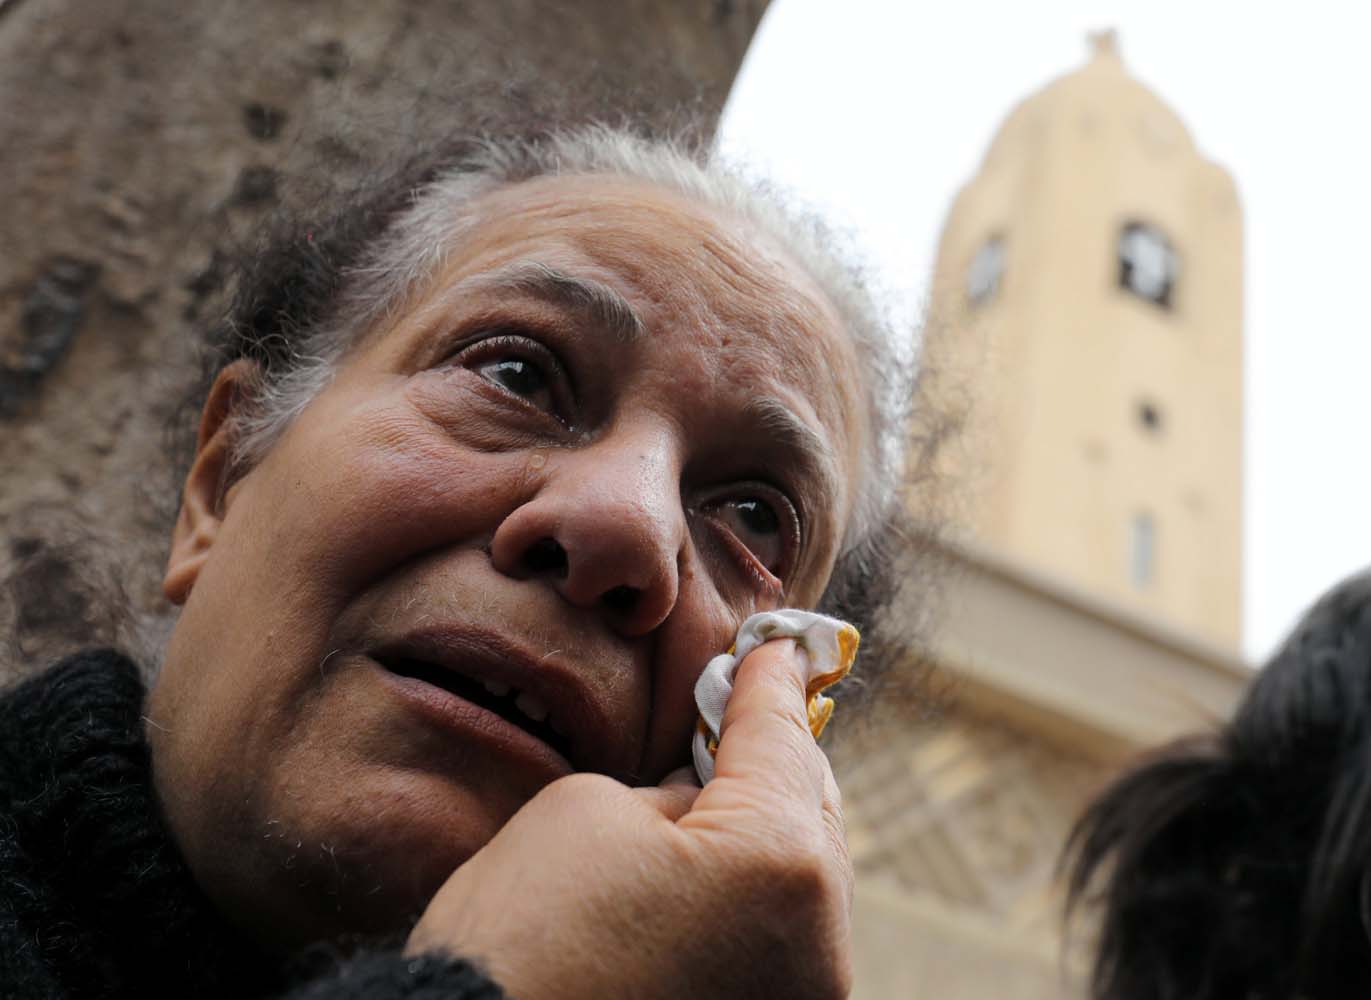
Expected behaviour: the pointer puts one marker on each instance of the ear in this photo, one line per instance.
(204, 500)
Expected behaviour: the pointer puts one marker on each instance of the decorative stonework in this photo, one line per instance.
(966, 811)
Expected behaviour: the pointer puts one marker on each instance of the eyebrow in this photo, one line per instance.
(610, 310)
(594, 299)
(800, 442)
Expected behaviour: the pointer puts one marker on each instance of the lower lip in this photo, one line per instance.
(480, 725)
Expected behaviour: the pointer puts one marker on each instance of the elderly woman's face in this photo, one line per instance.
(499, 547)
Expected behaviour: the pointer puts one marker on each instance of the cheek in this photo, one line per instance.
(701, 627)
(357, 509)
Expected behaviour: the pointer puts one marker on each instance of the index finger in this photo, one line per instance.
(766, 750)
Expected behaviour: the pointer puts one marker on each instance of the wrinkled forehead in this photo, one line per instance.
(674, 252)
(681, 266)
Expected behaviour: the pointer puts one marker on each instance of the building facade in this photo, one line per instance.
(1086, 322)
(1088, 304)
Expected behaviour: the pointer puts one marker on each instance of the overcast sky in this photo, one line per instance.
(876, 111)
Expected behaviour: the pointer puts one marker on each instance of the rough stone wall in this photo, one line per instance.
(139, 140)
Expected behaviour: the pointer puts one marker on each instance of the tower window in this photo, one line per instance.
(987, 267)
(1142, 550)
(1147, 263)
(1150, 416)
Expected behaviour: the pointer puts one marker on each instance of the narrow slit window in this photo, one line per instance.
(1143, 550)
(986, 270)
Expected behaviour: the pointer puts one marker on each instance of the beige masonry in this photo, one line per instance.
(957, 823)
(1104, 438)
(1092, 605)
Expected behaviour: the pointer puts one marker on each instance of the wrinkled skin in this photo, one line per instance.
(503, 481)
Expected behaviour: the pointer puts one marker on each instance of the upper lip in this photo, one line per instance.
(573, 708)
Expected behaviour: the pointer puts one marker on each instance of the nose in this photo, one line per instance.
(605, 529)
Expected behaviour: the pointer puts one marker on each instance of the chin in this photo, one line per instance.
(367, 867)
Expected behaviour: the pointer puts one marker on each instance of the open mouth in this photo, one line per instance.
(515, 707)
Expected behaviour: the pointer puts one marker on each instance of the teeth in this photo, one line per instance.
(531, 707)
(497, 688)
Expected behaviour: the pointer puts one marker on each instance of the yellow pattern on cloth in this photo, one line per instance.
(829, 647)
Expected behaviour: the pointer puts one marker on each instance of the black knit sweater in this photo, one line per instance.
(96, 902)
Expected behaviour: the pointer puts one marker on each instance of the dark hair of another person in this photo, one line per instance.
(1238, 865)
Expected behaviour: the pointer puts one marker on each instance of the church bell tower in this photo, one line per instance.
(1087, 306)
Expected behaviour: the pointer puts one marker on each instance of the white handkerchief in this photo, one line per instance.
(828, 645)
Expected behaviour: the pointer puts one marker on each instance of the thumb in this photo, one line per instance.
(765, 746)
(674, 796)
(684, 777)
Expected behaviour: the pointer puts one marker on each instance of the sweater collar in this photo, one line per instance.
(98, 834)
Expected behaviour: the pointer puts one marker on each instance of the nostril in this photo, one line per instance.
(546, 555)
(622, 598)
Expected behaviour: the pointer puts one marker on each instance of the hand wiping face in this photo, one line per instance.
(827, 647)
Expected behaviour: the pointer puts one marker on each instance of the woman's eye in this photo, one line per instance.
(521, 377)
(758, 525)
(523, 367)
